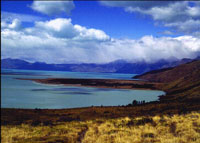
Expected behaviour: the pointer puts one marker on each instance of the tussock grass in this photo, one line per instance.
(149, 129)
(65, 132)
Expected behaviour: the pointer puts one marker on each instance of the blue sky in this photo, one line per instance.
(113, 20)
(99, 31)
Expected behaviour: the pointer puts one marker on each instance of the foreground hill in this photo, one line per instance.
(155, 129)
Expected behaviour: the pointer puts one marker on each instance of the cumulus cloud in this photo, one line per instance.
(181, 16)
(90, 34)
(59, 27)
(63, 28)
(53, 41)
(45, 42)
(53, 7)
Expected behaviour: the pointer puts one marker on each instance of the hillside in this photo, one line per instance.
(182, 83)
(171, 74)
(148, 129)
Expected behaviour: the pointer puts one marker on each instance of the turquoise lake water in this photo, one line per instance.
(28, 94)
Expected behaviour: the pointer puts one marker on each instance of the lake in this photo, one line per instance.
(28, 94)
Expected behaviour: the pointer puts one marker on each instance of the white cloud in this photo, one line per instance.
(182, 16)
(90, 34)
(15, 24)
(45, 42)
(60, 41)
(188, 27)
(59, 27)
(190, 42)
(63, 28)
(151, 49)
(167, 32)
(53, 7)
(57, 40)
(135, 4)
(9, 16)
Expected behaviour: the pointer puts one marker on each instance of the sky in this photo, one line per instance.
(99, 31)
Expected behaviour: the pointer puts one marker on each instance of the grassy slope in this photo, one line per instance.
(148, 129)
(171, 74)
(182, 83)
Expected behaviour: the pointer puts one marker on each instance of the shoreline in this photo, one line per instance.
(99, 83)
(182, 97)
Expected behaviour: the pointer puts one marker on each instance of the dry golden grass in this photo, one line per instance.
(175, 129)
(156, 129)
(67, 132)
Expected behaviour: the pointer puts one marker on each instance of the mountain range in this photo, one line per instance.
(119, 66)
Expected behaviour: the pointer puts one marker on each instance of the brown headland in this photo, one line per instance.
(100, 83)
